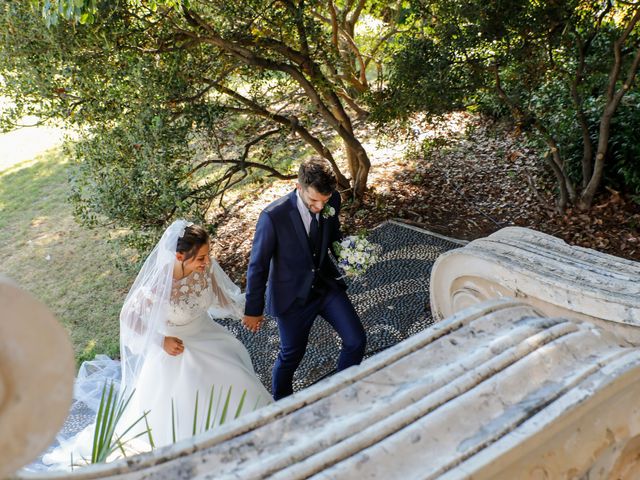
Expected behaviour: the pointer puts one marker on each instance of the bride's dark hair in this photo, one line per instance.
(194, 237)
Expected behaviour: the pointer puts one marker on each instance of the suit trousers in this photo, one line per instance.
(294, 327)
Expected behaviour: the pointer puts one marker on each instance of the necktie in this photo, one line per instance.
(313, 235)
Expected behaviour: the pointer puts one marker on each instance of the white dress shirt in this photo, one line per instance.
(305, 214)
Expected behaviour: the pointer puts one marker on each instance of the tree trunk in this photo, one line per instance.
(587, 146)
(359, 166)
(586, 199)
(613, 100)
(552, 158)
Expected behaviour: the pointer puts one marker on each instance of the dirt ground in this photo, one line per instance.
(472, 179)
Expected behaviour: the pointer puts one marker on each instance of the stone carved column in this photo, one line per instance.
(36, 377)
(542, 386)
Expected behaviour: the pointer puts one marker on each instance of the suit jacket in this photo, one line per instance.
(281, 260)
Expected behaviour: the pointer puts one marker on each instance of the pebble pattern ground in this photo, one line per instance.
(391, 298)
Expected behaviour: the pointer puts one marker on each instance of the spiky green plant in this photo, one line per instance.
(112, 406)
(212, 419)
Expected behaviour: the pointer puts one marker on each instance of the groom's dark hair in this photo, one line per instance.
(317, 173)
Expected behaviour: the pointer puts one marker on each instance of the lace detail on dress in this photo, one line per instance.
(191, 297)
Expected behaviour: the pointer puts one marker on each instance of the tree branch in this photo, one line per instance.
(617, 51)
(355, 15)
(291, 122)
(334, 25)
(564, 183)
(242, 164)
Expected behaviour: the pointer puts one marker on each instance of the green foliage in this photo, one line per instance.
(87, 11)
(417, 80)
(105, 441)
(171, 98)
(488, 103)
(213, 417)
(80, 10)
(136, 173)
(624, 169)
(521, 59)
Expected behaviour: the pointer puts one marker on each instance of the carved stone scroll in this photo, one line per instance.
(543, 271)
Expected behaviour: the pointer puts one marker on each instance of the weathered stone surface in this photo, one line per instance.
(36, 377)
(495, 391)
(544, 386)
(543, 271)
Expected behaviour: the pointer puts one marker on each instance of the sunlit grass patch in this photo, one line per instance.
(69, 268)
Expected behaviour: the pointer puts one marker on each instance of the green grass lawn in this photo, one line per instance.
(71, 269)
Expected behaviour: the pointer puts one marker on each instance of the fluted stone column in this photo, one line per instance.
(496, 391)
(532, 373)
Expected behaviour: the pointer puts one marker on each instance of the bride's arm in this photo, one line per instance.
(135, 319)
(136, 309)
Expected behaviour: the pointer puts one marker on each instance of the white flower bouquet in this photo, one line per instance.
(355, 254)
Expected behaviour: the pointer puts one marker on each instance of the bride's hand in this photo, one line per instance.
(173, 345)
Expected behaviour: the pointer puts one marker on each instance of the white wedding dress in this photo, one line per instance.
(211, 382)
(213, 361)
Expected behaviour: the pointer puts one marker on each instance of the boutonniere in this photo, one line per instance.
(328, 211)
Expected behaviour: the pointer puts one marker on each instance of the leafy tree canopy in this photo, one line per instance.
(560, 68)
(176, 101)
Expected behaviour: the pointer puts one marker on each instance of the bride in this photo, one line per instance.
(184, 370)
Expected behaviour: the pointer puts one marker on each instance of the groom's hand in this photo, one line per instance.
(252, 323)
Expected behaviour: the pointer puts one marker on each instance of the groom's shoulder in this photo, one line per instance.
(278, 205)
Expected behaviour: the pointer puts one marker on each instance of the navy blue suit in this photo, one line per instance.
(297, 288)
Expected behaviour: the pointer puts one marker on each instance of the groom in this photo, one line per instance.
(289, 259)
